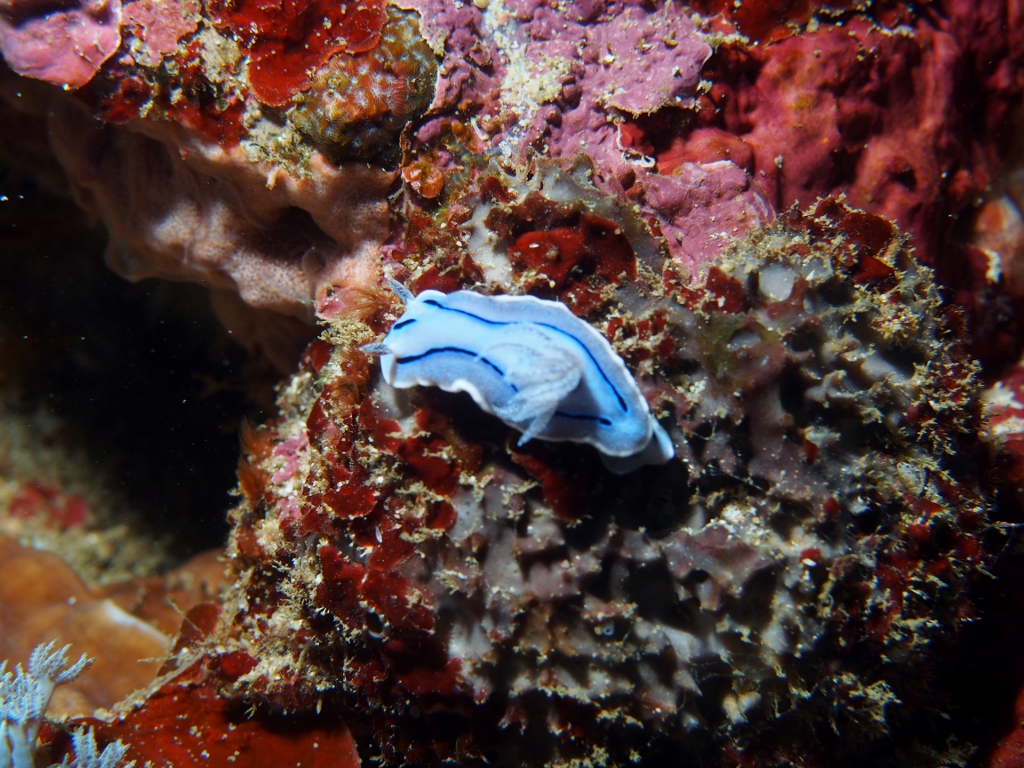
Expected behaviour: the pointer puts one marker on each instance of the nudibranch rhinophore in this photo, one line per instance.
(530, 362)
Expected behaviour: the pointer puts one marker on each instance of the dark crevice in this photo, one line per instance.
(142, 377)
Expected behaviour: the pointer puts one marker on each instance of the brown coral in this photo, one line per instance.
(182, 207)
(359, 103)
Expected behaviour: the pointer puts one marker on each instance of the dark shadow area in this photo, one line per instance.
(140, 376)
(986, 674)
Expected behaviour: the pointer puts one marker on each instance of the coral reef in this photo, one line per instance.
(409, 583)
(873, 105)
(872, 102)
(530, 77)
(705, 130)
(358, 105)
(201, 172)
(508, 604)
(908, 113)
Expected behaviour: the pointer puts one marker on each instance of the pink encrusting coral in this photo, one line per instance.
(873, 106)
(906, 113)
(563, 81)
(707, 133)
(158, 26)
(857, 109)
(64, 44)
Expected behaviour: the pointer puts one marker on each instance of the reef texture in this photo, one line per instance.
(64, 44)
(173, 207)
(792, 575)
(779, 593)
(186, 723)
(198, 164)
(908, 112)
(358, 105)
(707, 131)
(534, 78)
(287, 40)
(878, 106)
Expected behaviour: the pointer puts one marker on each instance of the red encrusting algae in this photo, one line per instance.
(286, 40)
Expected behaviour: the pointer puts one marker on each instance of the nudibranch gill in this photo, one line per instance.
(530, 362)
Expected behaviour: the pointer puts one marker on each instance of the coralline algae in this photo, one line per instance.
(64, 44)
(465, 598)
(565, 81)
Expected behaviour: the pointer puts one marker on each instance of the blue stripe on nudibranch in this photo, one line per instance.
(585, 417)
(433, 303)
(530, 362)
(441, 350)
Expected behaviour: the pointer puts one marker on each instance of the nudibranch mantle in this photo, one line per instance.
(530, 362)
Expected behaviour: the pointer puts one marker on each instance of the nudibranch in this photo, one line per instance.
(530, 362)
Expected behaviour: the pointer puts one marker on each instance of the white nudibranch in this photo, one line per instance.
(530, 362)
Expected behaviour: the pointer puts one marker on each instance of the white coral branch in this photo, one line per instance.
(24, 697)
(87, 755)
